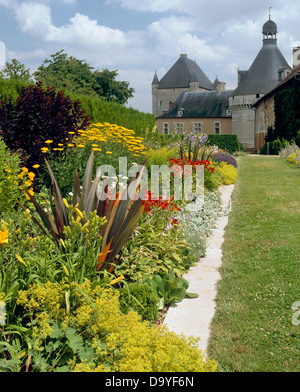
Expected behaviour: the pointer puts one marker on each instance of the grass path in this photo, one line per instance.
(252, 330)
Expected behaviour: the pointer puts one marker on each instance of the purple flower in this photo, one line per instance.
(203, 139)
(220, 157)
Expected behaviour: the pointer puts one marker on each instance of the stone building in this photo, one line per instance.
(198, 112)
(268, 68)
(265, 110)
(186, 101)
(184, 75)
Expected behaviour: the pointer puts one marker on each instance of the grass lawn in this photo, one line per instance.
(252, 330)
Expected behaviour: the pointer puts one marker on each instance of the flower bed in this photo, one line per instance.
(82, 275)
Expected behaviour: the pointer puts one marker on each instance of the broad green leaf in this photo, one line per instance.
(75, 340)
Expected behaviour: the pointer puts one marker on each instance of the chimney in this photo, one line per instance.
(296, 56)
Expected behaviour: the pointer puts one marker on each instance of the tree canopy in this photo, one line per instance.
(16, 71)
(76, 76)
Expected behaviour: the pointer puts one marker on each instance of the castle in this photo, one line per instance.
(186, 101)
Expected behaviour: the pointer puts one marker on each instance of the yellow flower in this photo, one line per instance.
(19, 258)
(44, 149)
(31, 176)
(4, 237)
(71, 133)
(25, 170)
(48, 141)
(108, 152)
(78, 212)
(117, 280)
(36, 166)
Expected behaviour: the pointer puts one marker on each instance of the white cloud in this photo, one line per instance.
(84, 31)
(24, 56)
(221, 35)
(34, 19)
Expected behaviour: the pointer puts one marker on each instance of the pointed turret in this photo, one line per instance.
(155, 79)
(263, 75)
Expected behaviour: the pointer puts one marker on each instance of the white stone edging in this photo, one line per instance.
(192, 317)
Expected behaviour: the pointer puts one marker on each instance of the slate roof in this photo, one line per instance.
(262, 76)
(182, 73)
(295, 73)
(270, 27)
(210, 104)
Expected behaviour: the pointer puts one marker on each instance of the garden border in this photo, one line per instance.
(192, 317)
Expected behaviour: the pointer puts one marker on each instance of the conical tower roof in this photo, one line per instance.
(263, 75)
(155, 79)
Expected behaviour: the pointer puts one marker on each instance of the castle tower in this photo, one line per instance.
(184, 76)
(264, 74)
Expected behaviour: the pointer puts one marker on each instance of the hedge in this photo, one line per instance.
(228, 143)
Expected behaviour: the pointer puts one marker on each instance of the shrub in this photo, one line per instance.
(288, 150)
(228, 143)
(84, 331)
(227, 173)
(108, 141)
(220, 157)
(13, 179)
(141, 298)
(160, 157)
(39, 115)
(197, 225)
(274, 147)
(156, 246)
(294, 158)
(297, 139)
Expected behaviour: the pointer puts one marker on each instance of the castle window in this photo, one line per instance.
(197, 127)
(166, 128)
(179, 128)
(160, 103)
(217, 128)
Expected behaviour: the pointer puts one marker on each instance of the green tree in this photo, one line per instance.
(76, 76)
(15, 71)
(108, 87)
(66, 73)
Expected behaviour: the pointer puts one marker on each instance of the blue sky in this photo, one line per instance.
(139, 37)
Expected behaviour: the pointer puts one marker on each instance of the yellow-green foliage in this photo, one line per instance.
(228, 174)
(160, 156)
(294, 158)
(121, 342)
(13, 179)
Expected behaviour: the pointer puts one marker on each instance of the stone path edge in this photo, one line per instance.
(192, 317)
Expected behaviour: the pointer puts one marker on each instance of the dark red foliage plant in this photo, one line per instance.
(38, 115)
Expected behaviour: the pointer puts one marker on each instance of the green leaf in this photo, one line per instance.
(87, 178)
(75, 340)
(191, 295)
